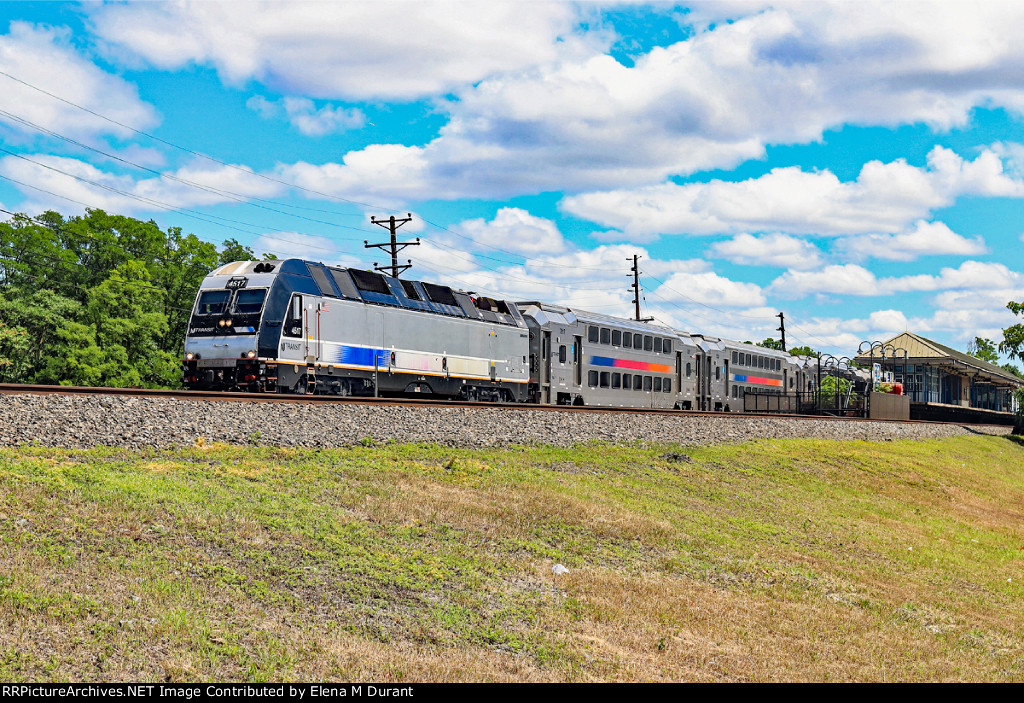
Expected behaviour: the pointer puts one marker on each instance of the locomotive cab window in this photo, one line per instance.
(249, 300)
(212, 302)
(293, 323)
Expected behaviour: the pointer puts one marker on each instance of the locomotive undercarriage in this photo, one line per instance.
(300, 379)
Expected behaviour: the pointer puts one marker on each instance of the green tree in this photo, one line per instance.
(770, 343)
(803, 351)
(1013, 346)
(99, 298)
(984, 349)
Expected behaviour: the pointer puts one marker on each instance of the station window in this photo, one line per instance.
(616, 380)
(592, 379)
(648, 342)
(627, 382)
(627, 341)
(637, 382)
(592, 334)
(668, 346)
(606, 335)
(561, 354)
(616, 338)
(657, 345)
(648, 382)
(605, 379)
(667, 387)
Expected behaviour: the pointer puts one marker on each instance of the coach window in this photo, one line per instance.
(667, 387)
(687, 369)
(748, 360)
(638, 341)
(592, 334)
(735, 392)
(760, 362)
(718, 373)
(592, 379)
(657, 345)
(605, 378)
(561, 354)
(627, 382)
(734, 355)
(657, 384)
(667, 348)
(648, 381)
(648, 342)
(616, 338)
(637, 383)
(627, 340)
(616, 380)
(606, 335)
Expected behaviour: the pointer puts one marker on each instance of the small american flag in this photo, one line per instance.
(325, 306)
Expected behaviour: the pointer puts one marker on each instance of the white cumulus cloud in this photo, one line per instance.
(769, 250)
(303, 114)
(44, 57)
(349, 50)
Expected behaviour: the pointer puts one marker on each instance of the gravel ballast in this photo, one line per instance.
(135, 423)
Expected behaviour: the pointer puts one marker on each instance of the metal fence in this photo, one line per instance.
(809, 403)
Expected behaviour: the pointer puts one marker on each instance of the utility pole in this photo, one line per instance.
(636, 289)
(392, 224)
(782, 328)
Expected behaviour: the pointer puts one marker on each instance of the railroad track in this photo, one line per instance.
(222, 396)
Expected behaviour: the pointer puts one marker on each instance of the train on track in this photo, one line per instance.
(295, 326)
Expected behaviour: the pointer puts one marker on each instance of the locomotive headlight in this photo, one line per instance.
(189, 356)
(220, 323)
(227, 323)
(251, 354)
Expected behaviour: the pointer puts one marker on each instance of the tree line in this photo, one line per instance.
(99, 299)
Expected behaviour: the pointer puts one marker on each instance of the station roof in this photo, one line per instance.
(922, 350)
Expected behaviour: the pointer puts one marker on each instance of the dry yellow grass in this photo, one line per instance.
(799, 560)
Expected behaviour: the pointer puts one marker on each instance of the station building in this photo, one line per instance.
(934, 375)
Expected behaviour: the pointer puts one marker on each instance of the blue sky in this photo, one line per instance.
(858, 166)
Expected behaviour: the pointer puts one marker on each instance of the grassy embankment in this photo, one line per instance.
(807, 560)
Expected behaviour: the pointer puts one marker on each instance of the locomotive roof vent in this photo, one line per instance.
(263, 267)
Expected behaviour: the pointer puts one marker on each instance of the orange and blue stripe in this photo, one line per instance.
(627, 364)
